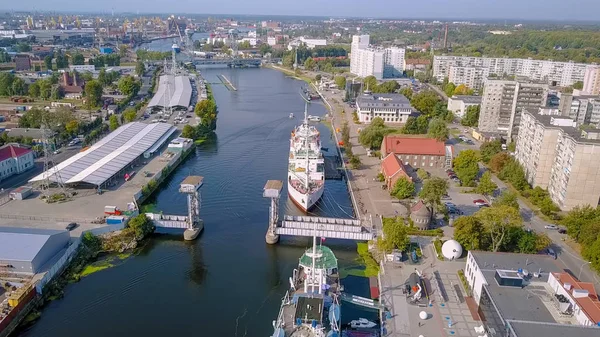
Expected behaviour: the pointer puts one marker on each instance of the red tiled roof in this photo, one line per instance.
(402, 144)
(392, 166)
(590, 304)
(72, 89)
(12, 152)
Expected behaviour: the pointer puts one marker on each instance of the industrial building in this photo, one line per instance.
(529, 295)
(27, 250)
(173, 92)
(111, 156)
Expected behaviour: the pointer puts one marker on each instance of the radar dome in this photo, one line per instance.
(451, 250)
(423, 315)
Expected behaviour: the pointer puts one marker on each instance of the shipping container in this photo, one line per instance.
(115, 220)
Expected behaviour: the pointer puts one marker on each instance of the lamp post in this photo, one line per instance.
(581, 269)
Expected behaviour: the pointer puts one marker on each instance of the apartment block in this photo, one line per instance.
(472, 77)
(558, 156)
(556, 73)
(503, 100)
(585, 110)
(591, 80)
(458, 104)
(379, 62)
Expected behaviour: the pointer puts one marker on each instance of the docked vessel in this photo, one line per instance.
(306, 170)
(311, 307)
(176, 48)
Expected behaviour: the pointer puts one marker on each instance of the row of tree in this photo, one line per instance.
(207, 111)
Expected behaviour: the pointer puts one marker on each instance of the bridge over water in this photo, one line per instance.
(229, 62)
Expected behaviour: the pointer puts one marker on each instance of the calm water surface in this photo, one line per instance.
(228, 282)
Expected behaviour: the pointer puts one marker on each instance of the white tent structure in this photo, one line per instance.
(451, 250)
(178, 88)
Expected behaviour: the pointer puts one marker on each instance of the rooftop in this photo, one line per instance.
(383, 100)
(536, 329)
(467, 99)
(26, 132)
(11, 151)
(327, 259)
(418, 145)
(392, 166)
(551, 122)
(173, 91)
(589, 303)
(23, 244)
(513, 261)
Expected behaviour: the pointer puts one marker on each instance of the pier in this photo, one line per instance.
(336, 228)
(227, 83)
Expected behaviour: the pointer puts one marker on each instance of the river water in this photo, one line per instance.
(228, 282)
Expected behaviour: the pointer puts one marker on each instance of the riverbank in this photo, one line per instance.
(291, 73)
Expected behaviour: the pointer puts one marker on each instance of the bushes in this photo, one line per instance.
(403, 188)
(355, 117)
(428, 232)
(437, 244)
(463, 280)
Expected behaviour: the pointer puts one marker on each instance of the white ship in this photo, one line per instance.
(306, 170)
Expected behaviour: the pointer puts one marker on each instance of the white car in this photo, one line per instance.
(551, 227)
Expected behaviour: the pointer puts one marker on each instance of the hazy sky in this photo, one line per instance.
(476, 9)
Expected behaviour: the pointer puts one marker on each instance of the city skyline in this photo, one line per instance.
(461, 9)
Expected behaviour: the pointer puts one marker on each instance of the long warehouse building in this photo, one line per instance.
(173, 92)
(110, 156)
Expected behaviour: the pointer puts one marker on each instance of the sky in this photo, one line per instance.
(561, 10)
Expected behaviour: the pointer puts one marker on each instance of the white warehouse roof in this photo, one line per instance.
(110, 155)
(173, 91)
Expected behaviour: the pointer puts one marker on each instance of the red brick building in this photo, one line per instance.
(393, 169)
(418, 151)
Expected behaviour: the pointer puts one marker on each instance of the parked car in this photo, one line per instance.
(562, 230)
(453, 210)
(449, 204)
(551, 227)
(480, 202)
(71, 226)
(552, 253)
(483, 205)
(446, 197)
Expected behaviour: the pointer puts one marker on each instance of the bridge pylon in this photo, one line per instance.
(272, 190)
(191, 186)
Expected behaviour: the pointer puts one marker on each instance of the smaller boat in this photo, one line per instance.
(291, 115)
(362, 323)
(314, 118)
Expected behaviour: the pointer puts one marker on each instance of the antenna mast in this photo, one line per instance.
(49, 163)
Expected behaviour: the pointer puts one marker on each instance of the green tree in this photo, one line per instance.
(514, 174)
(425, 102)
(93, 93)
(488, 149)
(56, 92)
(370, 83)
(578, 85)
(372, 135)
(78, 59)
(579, 217)
(432, 191)
(437, 129)
(394, 235)
(387, 87)
(113, 122)
(18, 87)
(140, 68)
(486, 186)
(34, 89)
(470, 233)
(6, 80)
(403, 188)
(466, 166)
(416, 126)
(48, 62)
(141, 226)
(407, 92)
(310, 64)
(340, 81)
(498, 221)
(462, 90)
(449, 89)
(128, 86)
(207, 111)
(507, 198)
(498, 161)
(72, 127)
(422, 174)
(129, 115)
(592, 254)
(188, 132)
(318, 77)
(45, 89)
(471, 117)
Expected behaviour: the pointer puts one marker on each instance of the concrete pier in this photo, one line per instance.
(272, 190)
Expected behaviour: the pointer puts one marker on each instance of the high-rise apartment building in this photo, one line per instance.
(560, 73)
(585, 110)
(503, 100)
(379, 62)
(472, 77)
(558, 156)
(591, 80)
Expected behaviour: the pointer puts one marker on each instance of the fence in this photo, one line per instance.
(68, 255)
(44, 218)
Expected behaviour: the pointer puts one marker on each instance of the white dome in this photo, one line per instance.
(451, 250)
(423, 315)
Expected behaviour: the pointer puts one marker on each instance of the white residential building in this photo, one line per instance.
(591, 80)
(359, 42)
(14, 160)
(379, 62)
(472, 77)
(393, 62)
(392, 108)
(309, 43)
(458, 104)
(559, 73)
(271, 41)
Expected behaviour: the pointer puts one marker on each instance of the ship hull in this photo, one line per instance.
(305, 201)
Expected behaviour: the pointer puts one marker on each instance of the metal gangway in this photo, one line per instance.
(362, 301)
(335, 228)
(169, 221)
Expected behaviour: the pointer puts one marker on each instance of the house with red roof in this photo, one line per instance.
(418, 151)
(14, 160)
(393, 169)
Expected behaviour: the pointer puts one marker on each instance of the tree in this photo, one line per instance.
(6, 80)
(532, 243)
(462, 90)
(403, 188)
(45, 89)
(48, 62)
(407, 92)
(318, 77)
(140, 68)
(207, 111)
(498, 221)
(34, 89)
(372, 135)
(370, 83)
(141, 226)
(498, 161)
(514, 174)
(93, 93)
(340, 81)
(577, 218)
(466, 166)
(592, 254)
(470, 233)
(56, 92)
(507, 198)
(387, 87)
(265, 48)
(128, 86)
(488, 149)
(578, 85)
(61, 60)
(310, 64)
(188, 132)
(78, 59)
(72, 127)
(18, 86)
(437, 129)
(394, 235)
(113, 122)
(548, 207)
(425, 102)
(471, 117)
(422, 174)
(449, 89)
(129, 115)
(486, 186)
(432, 191)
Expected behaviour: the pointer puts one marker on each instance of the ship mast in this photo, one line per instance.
(307, 130)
